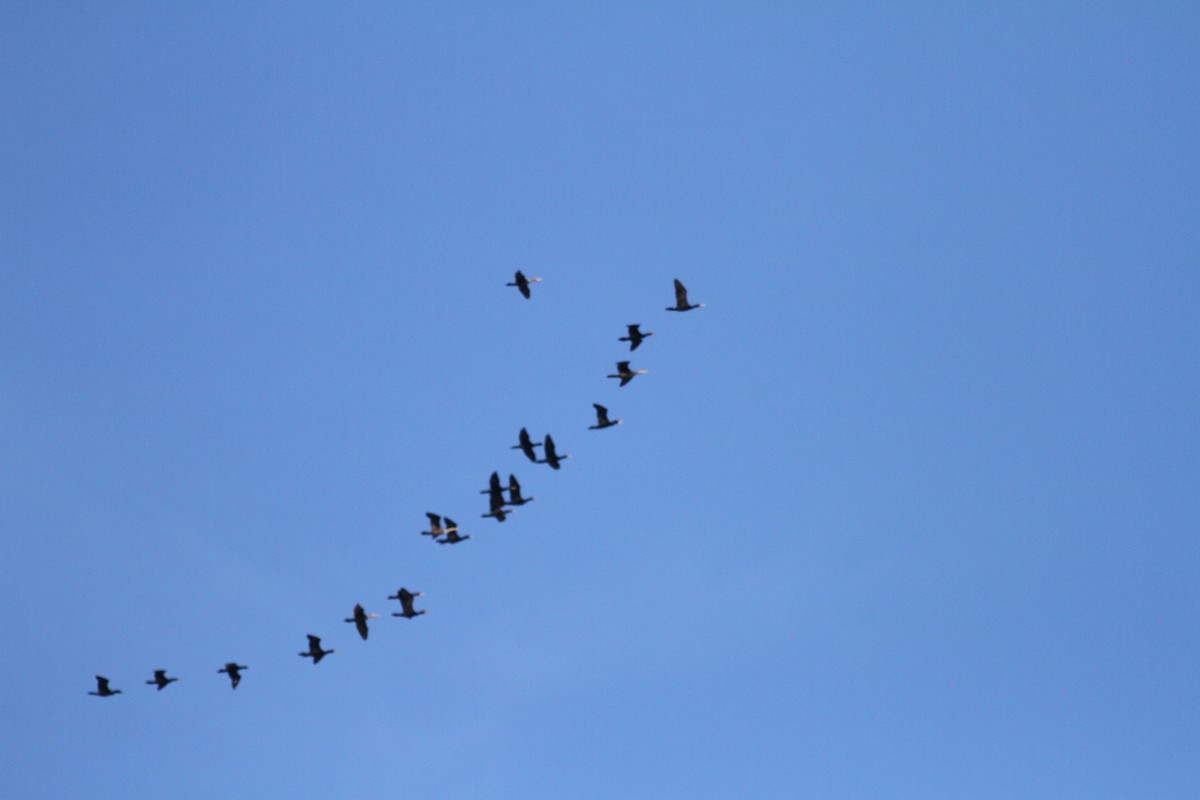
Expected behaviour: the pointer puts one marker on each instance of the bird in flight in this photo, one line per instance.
(552, 457)
(681, 301)
(314, 649)
(233, 670)
(602, 420)
(102, 689)
(625, 373)
(526, 445)
(406, 603)
(514, 493)
(522, 283)
(635, 337)
(435, 525)
(360, 620)
(452, 537)
(161, 680)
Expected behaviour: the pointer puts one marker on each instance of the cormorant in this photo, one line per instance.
(522, 283)
(161, 680)
(635, 337)
(435, 525)
(625, 373)
(602, 420)
(681, 301)
(453, 538)
(552, 457)
(232, 669)
(526, 446)
(360, 619)
(314, 649)
(406, 603)
(102, 689)
(514, 493)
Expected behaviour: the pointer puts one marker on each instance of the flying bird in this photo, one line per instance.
(625, 373)
(314, 649)
(514, 493)
(493, 485)
(232, 669)
(102, 689)
(360, 620)
(435, 525)
(681, 301)
(602, 420)
(526, 446)
(495, 499)
(522, 283)
(635, 337)
(453, 538)
(406, 603)
(161, 680)
(552, 457)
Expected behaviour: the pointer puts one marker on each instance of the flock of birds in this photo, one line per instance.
(444, 530)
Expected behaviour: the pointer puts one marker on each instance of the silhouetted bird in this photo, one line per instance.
(435, 525)
(552, 457)
(102, 689)
(635, 337)
(681, 301)
(602, 420)
(161, 680)
(360, 620)
(406, 603)
(493, 485)
(514, 493)
(522, 283)
(625, 373)
(232, 669)
(314, 649)
(526, 446)
(453, 538)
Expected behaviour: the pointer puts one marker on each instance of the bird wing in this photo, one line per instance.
(601, 414)
(101, 684)
(551, 453)
(451, 525)
(680, 294)
(314, 643)
(622, 367)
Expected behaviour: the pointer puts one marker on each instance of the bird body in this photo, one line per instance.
(360, 620)
(635, 337)
(314, 649)
(522, 283)
(514, 493)
(406, 603)
(681, 300)
(161, 680)
(625, 373)
(602, 420)
(102, 688)
(233, 670)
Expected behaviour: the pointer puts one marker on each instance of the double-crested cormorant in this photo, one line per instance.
(635, 337)
(435, 525)
(526, 446)
(522, 283)
(625, 373)
(161, 680)
(602, 420)
(552, 457)
(681, 301)
(360, 620)
(314, 649)
(495, 499)
(102, 689)
(406, 603)
(514, 493)
(232, 669)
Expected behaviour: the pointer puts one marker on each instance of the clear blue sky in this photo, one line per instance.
(909, 510)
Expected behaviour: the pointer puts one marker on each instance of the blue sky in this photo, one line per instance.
(907, 510)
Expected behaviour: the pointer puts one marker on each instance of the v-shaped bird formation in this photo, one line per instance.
(444, 530)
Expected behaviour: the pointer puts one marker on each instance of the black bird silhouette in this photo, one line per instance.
(681, 301)
(522, 283)
(161, 680)
(602, 420)
(625, 373)
(232, 669)
(552, 457)
(102, 689)
(435, 525)
(496, 501)
(526, 446)
(406, 603)
(360, 620)
(453, 538)
(314, 649)
(514, 493)
(493, 485)
(635, 337)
